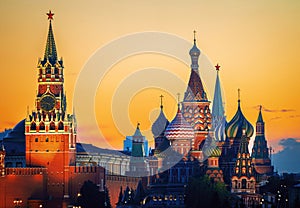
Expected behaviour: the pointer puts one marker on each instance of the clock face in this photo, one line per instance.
(47, 103)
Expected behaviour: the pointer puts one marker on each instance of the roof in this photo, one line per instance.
(179, 128)
(235, 127)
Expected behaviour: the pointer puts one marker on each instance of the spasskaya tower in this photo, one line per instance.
(49, 130)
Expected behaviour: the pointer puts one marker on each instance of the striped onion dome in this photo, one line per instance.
(238, 122)
(210, 147)
(220, 135)
(160, 124)
(179, 128)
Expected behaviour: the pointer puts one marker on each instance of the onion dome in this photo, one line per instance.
(179, 128)
(195, 50)
(161, 123)
(210, 148)
(194, 53)
(220, 135)
(235, 127)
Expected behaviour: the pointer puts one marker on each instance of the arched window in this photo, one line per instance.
(244, 182)
(48, 70)
(36, 139)
(52, 126)
(47, 139)
(33, 126)
(60, 126)
(42, 126)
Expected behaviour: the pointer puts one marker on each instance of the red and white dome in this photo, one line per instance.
(179, 128)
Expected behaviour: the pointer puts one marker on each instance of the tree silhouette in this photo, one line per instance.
(91, 197)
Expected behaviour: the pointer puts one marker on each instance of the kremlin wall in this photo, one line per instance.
(43, 165)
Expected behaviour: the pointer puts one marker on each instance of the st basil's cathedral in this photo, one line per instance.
(43, 159)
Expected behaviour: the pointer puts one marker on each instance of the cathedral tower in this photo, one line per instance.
(49, 130)
(218, 113)
(195, 105)
(158, 130)
(243, 180)
(260, 151)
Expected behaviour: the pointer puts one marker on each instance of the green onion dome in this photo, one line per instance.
(210, 149)
(234, 128)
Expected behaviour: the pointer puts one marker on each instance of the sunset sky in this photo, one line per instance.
(256, 43)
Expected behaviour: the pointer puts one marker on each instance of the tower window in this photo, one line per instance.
(60, 126)
(42, 126)
(33, 126)
(52, 126)
(47, 139)
(36, 139)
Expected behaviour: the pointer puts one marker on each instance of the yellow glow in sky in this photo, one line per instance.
(256, 43)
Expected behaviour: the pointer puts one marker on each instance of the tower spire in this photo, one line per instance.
(161, 101)
(239, 97)
(218, 109)
(50, 51)
(195, 37)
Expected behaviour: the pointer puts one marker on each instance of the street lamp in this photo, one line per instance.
(17, 202)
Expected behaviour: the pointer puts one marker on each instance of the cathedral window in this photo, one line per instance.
(237, 170)
(244, 182)
(48, 70)
(243, 170)
(243, 163)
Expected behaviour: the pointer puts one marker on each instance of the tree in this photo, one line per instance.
(202, 192)
(91, 197)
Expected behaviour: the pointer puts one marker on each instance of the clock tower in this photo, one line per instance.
(50, 132)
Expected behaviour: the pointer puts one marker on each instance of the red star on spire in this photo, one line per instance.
(217, 67)
(50, 15)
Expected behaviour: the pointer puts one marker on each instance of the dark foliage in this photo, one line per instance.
(91, 197)
(202, 192)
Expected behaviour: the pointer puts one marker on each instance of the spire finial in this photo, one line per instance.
(161, 101)
(239, 95)
(260, 107)
(195, 36)
(50, 15)
(138, 125)
(217, 67)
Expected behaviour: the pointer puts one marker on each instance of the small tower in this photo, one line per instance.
(195, 105)
(260, 151)
(213, 153)
(50, 132)
(218, 113)
(138, 165)
(243, 180)
(2, 160)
